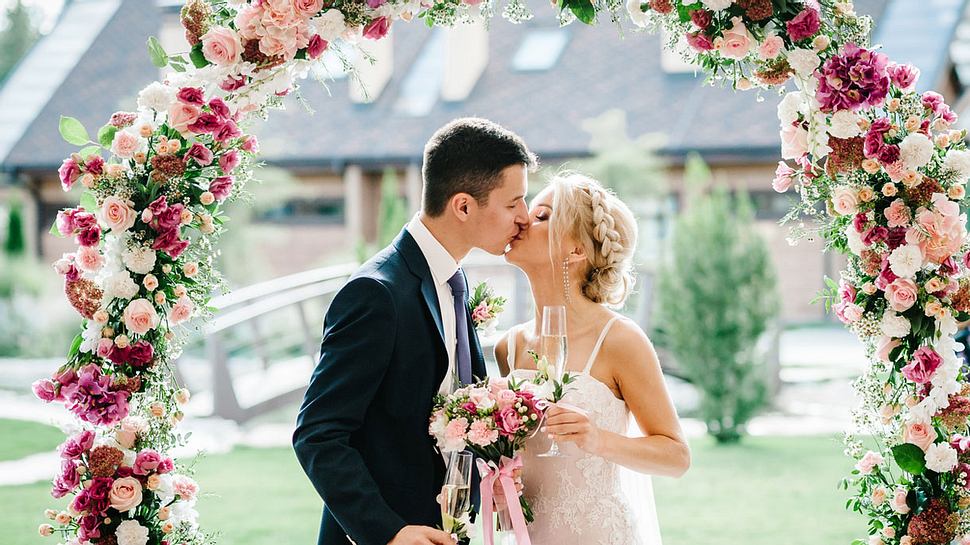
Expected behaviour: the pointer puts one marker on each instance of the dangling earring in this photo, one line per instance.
(565, 279)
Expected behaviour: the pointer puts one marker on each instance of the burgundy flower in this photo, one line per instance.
(68, 172)
(699, 41)
(158, 205)
(90, 528)
(169, 242)
(903, 76)
(85, 220)
(191, 95)
(855, 79)
(859, 222)
(119, 355)
(221, 187)
(141, 354)
(219, 107)
(889, 154)
(948, 267)
(90, 236)
(169, 218)
(875, 234)
(897, 235)
(94, 164)
(227, 131)
(316, 47)
(701, 18)
(804, 25)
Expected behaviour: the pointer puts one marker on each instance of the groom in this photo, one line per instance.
(398, 333)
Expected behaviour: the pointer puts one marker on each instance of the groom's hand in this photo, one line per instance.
(421, 535)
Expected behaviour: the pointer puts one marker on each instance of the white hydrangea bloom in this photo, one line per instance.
(894, 325)
(941, 457)
(803, 61)
(844, 124)
(906, 260)
(916, 150)
(129, 532)
(156, 96)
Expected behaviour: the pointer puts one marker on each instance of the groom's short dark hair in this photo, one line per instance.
(467, 156)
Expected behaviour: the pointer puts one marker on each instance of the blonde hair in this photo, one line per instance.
(603, 225)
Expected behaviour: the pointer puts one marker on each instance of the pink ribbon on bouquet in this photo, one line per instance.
(503, 473)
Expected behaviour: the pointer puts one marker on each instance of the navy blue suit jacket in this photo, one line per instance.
(362, 431)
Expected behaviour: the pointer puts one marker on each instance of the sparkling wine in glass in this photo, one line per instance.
(456, 492)
(553, 344)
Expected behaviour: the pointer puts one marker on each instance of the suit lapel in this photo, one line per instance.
(418, 264)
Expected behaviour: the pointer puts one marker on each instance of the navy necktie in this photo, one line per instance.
(463, 356)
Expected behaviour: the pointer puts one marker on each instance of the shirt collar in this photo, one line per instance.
(441, 263)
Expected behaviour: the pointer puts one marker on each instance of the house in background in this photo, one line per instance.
(540, 80)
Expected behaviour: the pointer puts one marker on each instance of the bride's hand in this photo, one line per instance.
(566, 425)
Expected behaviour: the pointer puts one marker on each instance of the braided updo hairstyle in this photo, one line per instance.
(601, 223)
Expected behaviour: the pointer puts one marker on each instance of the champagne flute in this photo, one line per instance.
(456, 492)
(554, 350)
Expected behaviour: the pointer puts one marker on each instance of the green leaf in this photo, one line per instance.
(88, 202)
(72, 131)
(89, 151)
(178, 67)
(198, 59)
(54, 231)
(157, 52)
(910, 458)
(106, 135)
(75, 346)
(583, 10)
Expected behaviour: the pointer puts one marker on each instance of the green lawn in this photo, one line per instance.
(23, 438)
(764, 491)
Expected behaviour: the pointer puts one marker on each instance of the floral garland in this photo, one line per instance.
(875, 165)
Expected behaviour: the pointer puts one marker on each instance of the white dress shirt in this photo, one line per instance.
(443, 266)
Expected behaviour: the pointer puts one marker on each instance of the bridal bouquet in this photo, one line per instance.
(492, 419)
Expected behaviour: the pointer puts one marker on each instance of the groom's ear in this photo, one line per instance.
(461, 205)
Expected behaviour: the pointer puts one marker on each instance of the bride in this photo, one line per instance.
(578, 252)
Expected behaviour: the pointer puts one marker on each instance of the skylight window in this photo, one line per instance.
(422, 85)
(540, 50)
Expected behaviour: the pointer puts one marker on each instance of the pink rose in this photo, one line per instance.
(68, 172)
(923, 366)
(181, 310)
(804, 25)
(507, 421)
(794, 142)
(771, 47)
(308, 8)
(920, 434)
(125, 494)
(185, 487)
(117, 214)
(140, 316)
(221, 46)
(784, 177)
(898, 501)
(89, 259)
(505, 398)
(848, 312)
(901, 294)
(146, 462)
(737, 41)
(885, 348)
(897, 214)
(377, 28)
(699, 41)
(869, 462)
(845, 200)
(125, 144)
(229, 161)
(181, 115)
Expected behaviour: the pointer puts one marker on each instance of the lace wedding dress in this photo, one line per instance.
(581, 499)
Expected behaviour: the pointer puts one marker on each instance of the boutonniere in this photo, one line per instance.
(485, 308)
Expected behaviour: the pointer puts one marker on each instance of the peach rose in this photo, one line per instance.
(889, 189)
(737, 41)
(181, 115)
(150, 282)
(181, 310)
(957, 192)
(866, 194)
(221, 46)
(140, 316)
(125, 494)
(190, 269)
(920, 434)
(869, 462)
(901, 294)
(207, 198)
(878, 495)
(870, 165)
(117, 214)
(898, 501)
(121, 341)
(308, 8)
(934, 309)
(845, 200)
(89, 259)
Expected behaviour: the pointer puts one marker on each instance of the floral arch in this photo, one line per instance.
(875, 164)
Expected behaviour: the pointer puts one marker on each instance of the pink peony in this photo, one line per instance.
(377, 29)
(117, 214)
(804, 25)
(737, 41)
(125, 494)
(784, 177)
(923, 366)
(140, 316)
(221, 46)
(68, 172)
(897, 214)
(920, 434)
(901, 294)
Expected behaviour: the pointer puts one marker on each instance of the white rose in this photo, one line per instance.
(140, 259)
(157, 96)
(803, 61)
(941, 458)
(959, 162)
(330, 24)
(717, 5)
(906, 260)
(129, 532)
(854, 239)
(894, 325)
(790, 107)
(637, 15)
(844, 124)
(916, 150)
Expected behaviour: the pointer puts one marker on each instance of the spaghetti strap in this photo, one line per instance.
(510, 357)
(599, 343)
